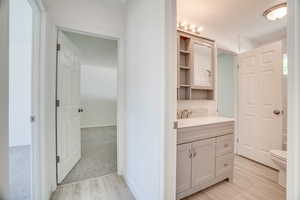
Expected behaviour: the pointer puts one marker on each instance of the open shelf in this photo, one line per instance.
(197, 94)
(185, 51)
(201, 88)
(184, 93)
(184, 67)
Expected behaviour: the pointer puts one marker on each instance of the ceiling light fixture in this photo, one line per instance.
(276, 12)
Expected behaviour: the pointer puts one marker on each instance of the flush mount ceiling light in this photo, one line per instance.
(276, 12)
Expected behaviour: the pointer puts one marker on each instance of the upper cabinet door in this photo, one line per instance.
(203, 61)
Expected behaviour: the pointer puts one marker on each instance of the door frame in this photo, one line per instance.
(293, 174)
(293, 143)
(120, 97)
(37, 10)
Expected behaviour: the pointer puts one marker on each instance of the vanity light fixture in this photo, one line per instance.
(189, 27)
(276, 12)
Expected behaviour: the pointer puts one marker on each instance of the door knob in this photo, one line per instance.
(276, 112)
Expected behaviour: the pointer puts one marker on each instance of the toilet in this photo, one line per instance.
(279, 158)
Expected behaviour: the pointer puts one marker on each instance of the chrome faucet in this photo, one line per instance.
(183, 114)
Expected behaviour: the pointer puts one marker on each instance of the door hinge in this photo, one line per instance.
(58, 47)
(175, 125)
(57, 103)
(32, 118)
(57, 159)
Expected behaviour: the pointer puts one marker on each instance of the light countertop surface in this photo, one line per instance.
(200, 121)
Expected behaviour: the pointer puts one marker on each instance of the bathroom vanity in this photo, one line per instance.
(205, 156)
(205, 142)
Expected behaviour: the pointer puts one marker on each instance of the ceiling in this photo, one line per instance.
(231, 21)
(95, 51)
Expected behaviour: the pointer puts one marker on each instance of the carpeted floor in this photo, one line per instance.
(20, 172)
(98, 154)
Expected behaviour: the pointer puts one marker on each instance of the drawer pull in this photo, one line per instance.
(226, 145)
(225, 165)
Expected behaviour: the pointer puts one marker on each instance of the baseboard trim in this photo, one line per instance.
(132, 188)
(97, 126)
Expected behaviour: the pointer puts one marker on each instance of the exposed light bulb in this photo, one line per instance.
(199, 29)
(184, 23)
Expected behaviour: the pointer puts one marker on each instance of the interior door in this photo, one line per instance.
(260, 102)
(68, 113)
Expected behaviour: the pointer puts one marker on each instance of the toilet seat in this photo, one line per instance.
(279, 154)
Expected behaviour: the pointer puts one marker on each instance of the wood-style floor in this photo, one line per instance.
(251, 181)
(108, 187)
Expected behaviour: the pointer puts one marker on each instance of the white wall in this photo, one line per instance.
(98, 96)
(145, 98)
(101, 17)
(226, 85)
(99, 62)
(293, 173)
(4, 93)
(20, 58)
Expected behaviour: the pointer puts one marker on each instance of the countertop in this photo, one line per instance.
(200, 121)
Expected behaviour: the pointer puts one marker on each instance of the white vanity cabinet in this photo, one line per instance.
(204, 156)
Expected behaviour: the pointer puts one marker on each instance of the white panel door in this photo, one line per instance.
(184, 169)
(68, 116)
(203, 162)
(260, 103)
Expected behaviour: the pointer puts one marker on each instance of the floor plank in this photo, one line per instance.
(108, 187)
(252, 181)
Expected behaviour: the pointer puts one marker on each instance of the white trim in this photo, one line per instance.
(170, 137)
(120, 93)
(97, 125)
(37, 8)
(293, 173)
(135, 192)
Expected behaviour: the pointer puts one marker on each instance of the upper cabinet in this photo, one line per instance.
(196, 67)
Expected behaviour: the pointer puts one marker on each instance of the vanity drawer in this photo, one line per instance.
(225, 144)
(224, 164)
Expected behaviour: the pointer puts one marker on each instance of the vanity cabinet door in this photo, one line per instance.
(203, 60)
(203, 162)
(184, 162)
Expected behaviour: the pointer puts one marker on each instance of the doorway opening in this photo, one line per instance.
(245, 80)
(86, 113)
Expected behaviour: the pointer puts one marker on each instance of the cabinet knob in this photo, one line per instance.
(226, 145)
(190, 153)
(225, 164)
(194, 154)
